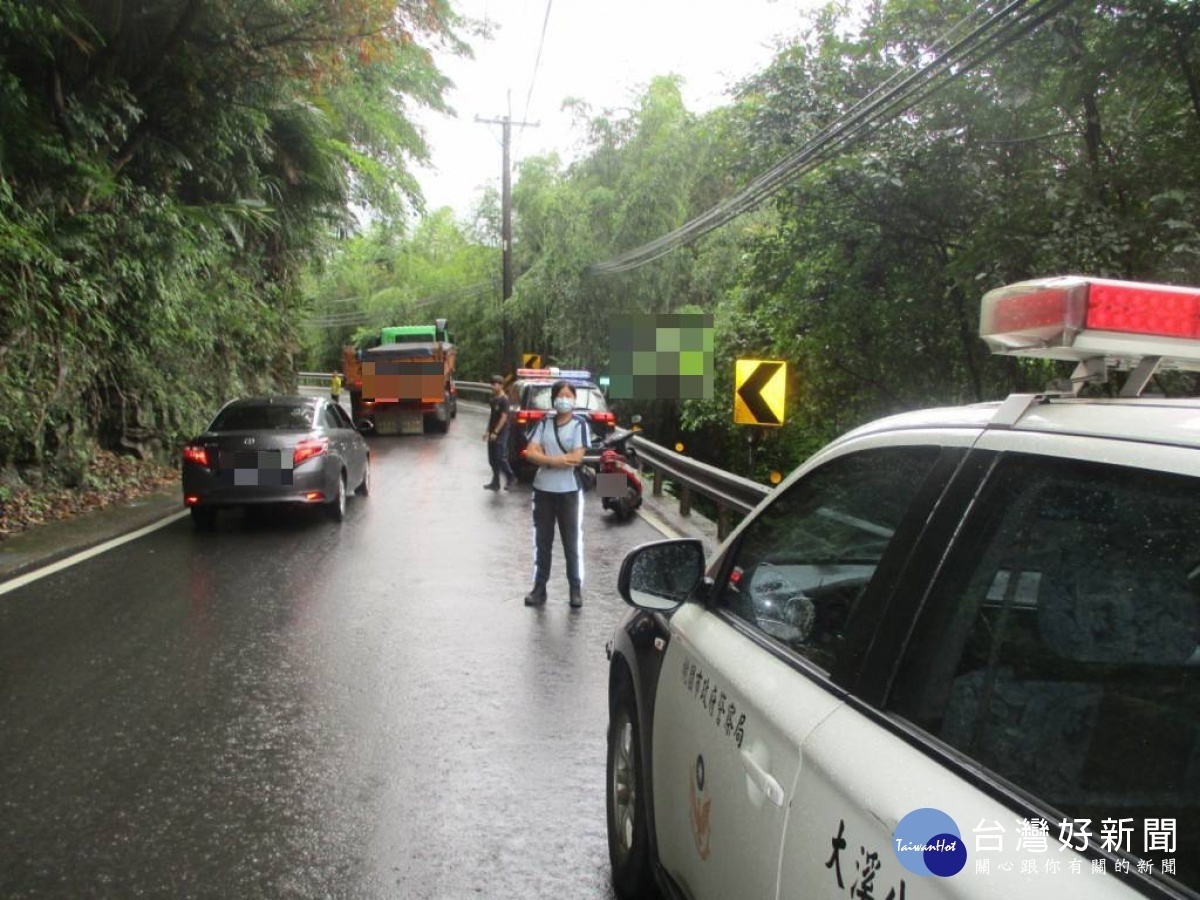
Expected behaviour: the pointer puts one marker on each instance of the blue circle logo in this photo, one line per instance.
(928, 842)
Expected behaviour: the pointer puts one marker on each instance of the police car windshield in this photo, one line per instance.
(264, 417)
(586, 398)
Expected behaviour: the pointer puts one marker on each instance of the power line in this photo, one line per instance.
(363, 317)
(538, 61)
(891, 99)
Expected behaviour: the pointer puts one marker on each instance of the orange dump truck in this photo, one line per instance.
(406, 384)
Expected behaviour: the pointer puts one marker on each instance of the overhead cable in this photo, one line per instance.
(894, 97)
(537, 61)
(363, 317)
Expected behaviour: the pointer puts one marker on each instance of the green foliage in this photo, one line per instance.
(383, 277)
(166, 172)
(1059, 156)
(639, 180)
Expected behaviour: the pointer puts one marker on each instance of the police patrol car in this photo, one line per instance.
(955, 654)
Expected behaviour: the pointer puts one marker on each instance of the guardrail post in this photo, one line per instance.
(723, 523)
(685, 500)
(658, 483)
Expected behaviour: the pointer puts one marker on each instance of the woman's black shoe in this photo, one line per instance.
(537, 596)
(576, 597)
(492, 486)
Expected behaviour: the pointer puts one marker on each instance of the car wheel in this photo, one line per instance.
(337, 506)
(365, 488)
(203, 517)
(628, 841)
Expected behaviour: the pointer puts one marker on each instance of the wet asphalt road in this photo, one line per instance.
(289, 708)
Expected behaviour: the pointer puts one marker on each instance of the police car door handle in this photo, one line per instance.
(762, 779)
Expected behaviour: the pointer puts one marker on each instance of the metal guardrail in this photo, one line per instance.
(732, 493)
(470, 386)
(321, 379)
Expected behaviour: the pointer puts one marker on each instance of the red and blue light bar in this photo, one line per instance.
(555, 373)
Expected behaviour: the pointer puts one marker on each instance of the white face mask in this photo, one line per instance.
(564, 404)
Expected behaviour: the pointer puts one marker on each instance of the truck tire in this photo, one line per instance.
(440, 421)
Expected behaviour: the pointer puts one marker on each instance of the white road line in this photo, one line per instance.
(657, 523)
(28, 577)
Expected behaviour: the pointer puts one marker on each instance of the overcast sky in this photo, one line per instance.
(599, 51)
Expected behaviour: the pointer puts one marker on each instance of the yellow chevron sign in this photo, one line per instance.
(759, 388)
(531, 360)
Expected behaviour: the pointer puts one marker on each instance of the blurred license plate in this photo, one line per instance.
(255, 467)
(250, 459)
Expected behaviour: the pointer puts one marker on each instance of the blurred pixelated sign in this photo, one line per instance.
(758, 392)
(531, 360)
(665, 356)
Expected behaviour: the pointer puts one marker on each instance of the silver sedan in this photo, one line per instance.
(278, 449)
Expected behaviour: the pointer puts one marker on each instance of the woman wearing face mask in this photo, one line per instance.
(556, 447)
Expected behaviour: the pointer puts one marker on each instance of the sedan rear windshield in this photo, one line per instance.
(586, 398)
(264, 418)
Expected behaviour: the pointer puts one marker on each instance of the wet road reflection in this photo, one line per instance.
(284, 707)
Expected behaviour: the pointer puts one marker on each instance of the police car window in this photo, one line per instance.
(585, 398)
(802, 564)
(343, 417)
(1061, 648)
(539, 397)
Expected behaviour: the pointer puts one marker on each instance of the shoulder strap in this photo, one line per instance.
(557, 439)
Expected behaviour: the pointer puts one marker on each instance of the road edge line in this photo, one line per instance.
(662, 527)
(29, 577)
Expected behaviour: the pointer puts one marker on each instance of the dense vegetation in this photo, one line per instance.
(173, 197)
(167, 172)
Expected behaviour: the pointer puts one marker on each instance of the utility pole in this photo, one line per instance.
(506, 215)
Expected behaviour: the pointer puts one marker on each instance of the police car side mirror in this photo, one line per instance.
(365, 426)
(661, 575)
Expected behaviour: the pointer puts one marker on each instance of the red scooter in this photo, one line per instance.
(617, 457)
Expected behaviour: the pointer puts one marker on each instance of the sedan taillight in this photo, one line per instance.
(308, 448)
(195, 454)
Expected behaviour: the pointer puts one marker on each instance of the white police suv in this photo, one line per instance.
(955, 654)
